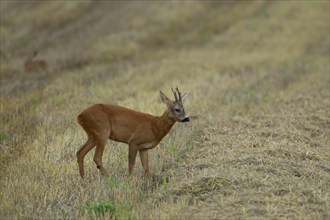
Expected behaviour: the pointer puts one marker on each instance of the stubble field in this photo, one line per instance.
(257, 78)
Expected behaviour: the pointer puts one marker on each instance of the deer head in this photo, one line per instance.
(175, 108)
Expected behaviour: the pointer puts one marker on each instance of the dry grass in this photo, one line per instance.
(257, 77)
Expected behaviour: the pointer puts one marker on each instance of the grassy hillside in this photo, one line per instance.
(257, 78)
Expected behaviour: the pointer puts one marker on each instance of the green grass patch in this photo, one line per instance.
(3, 137)
(164, 182)
(34, 101)
(107, 209)
(119, 182)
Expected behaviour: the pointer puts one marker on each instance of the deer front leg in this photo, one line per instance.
(132, 151)
(145, 163)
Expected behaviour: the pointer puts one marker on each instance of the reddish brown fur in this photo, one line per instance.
(32, 65)
(139, 130)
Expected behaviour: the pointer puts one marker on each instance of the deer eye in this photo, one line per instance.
(177, 110)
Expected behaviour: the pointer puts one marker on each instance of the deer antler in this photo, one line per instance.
(179, 94)
(175, 95)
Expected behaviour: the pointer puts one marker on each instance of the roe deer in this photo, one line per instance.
(32, 65)
(140, 131)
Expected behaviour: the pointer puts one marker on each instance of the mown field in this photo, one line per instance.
(258, 84)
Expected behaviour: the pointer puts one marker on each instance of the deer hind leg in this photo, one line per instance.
(100, 144)
(81, 153)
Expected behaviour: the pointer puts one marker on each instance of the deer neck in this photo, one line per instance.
(164, 125)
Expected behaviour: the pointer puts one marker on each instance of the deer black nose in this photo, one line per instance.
(186, 119)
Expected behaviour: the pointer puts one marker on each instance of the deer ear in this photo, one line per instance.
(164, 98)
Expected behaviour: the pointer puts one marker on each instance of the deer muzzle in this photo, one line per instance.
(186, 119)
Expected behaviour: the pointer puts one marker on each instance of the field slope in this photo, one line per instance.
(258, 84)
